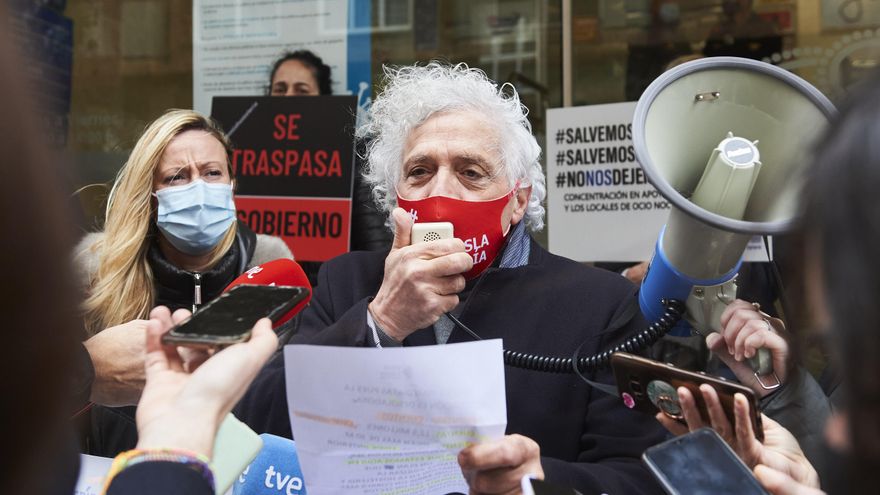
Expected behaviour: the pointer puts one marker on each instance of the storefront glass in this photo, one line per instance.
(133, 59)
(619, 46)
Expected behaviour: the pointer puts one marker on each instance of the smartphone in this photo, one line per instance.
(700, 463)
(430, 231)
(651, 386)
(230, 318)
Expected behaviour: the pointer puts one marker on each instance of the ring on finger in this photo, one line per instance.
(757, 306)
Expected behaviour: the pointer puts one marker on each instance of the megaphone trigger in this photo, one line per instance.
(759, 376)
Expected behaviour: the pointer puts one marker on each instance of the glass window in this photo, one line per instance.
(133, 59)
(620, 46)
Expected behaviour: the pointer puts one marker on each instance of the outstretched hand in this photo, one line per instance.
(779, 452)
(778, 483)
(117, 354)
(189, 392)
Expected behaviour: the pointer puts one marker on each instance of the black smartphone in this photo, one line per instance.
(230, 318)
(651, 386)
(700, 463)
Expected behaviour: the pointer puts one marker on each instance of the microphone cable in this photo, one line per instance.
(672, 314)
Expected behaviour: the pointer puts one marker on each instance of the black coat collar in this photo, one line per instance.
(175, 287)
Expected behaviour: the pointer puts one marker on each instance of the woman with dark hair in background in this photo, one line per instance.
(302, 73)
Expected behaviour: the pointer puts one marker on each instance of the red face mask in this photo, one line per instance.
(477, 223)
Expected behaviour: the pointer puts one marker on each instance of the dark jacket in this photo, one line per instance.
(368, 229)
(588, 439)
(155, 477)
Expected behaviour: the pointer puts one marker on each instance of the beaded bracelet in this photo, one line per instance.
(195, 461)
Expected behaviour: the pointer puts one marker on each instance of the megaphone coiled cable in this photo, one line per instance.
(672, 314)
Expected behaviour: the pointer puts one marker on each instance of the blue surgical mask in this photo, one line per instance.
(195, 217)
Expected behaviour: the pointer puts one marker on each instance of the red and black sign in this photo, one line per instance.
(294, 168)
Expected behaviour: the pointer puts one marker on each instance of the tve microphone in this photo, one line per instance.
(276, 470)
(277, 272)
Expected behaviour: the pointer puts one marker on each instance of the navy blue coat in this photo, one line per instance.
(549, 306)
(159, 477)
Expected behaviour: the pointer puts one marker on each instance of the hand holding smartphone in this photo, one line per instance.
(700, 463)
(229, 318)
(650, 386)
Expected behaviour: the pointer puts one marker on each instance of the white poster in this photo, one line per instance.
(600, 205)
(235, 43)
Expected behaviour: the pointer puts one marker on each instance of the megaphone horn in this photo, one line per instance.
(723, 139)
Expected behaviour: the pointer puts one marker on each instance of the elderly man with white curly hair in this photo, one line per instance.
(445, 143)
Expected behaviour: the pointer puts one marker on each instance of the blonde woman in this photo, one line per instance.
(170, 238)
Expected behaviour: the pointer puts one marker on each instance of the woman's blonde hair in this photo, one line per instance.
(122, 287)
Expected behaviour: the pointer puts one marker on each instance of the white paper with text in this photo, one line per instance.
(392, 420)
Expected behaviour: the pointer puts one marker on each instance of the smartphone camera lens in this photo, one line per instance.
(635, 385)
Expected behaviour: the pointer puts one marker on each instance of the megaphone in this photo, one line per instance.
(723, 139)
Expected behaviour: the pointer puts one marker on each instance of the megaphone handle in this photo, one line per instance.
(762, 364)
(704, 307)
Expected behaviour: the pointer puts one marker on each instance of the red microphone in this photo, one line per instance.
(277, 272)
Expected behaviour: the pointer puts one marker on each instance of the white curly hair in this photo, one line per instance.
(412, 94)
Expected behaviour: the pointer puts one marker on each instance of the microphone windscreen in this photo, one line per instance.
(275, 470)
(277, 272)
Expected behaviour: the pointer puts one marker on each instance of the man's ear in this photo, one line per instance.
(521, 196)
